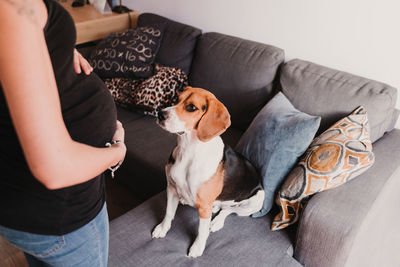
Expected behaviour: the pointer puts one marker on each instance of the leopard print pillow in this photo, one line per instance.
(149, 95)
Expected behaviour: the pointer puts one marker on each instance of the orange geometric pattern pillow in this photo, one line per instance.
(336, 156)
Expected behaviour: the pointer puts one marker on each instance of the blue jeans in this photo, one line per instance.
(87, 246)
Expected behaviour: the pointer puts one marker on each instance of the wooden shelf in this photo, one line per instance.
(92, 25)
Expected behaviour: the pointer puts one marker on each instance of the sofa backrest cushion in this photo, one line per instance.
(332, 94)
(239, 72)
(177, 44)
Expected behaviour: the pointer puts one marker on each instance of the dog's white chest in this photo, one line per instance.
(186, 177)
(185, 188)
(194, 164)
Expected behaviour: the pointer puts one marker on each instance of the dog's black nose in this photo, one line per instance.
(162, 115)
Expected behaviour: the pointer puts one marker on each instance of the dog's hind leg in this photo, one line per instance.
(251, 205)
(243, 208)
(218, 222)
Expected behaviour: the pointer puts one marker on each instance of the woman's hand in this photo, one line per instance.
(120, 135)
(119, 132)
(80, 63)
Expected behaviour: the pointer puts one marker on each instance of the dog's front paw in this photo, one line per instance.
(196, 250)
(161, 230)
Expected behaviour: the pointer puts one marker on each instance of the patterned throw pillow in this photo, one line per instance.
(129, 54)
(338, 155)
(149, 95)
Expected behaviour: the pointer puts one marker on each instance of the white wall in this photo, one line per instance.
(358, 36)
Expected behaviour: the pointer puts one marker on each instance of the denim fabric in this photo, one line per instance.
(87, 246)
(275, 139)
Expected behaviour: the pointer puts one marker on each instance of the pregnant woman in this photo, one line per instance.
(55, 121)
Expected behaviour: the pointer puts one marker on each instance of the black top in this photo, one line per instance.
(89, 114)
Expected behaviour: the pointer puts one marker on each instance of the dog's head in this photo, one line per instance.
(197, 109)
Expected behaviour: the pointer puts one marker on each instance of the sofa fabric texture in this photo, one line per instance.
(332, 94)
(243, 241)
(274, 141)
(337, 156)
(240, 73)
(177, 44)
(376, 248)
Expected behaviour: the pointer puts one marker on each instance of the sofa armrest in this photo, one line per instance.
(356, 224)
(396, 121)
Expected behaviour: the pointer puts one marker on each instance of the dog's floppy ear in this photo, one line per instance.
(214, 122)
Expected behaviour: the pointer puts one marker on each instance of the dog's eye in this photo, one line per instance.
(191, 108)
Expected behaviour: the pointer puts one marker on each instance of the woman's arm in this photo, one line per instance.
(30, 89)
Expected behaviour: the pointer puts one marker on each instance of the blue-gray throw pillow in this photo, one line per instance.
(274, 141)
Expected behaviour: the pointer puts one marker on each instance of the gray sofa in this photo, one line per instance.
(352, 225)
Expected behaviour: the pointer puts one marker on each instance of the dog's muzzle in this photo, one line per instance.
(162, 120)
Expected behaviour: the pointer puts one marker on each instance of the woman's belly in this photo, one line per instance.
(89, 111)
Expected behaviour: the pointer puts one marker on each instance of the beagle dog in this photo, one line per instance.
(203, 172)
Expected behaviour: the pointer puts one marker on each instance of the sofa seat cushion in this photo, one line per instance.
(333, 94)
(239, 72)
(126, 116)
(178, 41)
(243, 241)
(148, 150)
